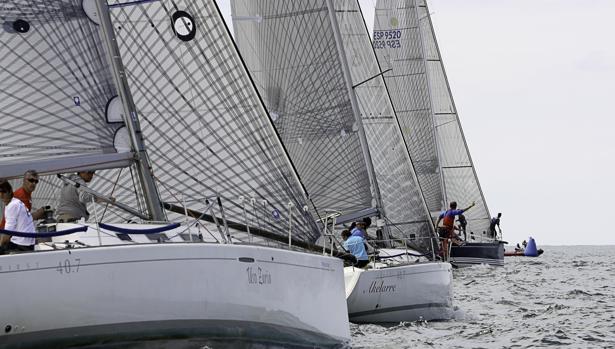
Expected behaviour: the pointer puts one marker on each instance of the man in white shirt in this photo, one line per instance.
(18, 219)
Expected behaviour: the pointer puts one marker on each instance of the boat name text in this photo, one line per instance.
(379, 287)
(258, 276)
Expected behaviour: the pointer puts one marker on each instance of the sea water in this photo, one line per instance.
(564, 298)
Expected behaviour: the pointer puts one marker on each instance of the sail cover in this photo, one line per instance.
(56, 89)
(291, 53)
(405, 42)
(206, 131)
(406, 212)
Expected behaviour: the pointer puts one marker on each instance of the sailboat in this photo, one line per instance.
(314, 65)
(154, 96)
(406, 46)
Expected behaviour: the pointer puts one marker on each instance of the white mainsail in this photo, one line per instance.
(405, 43)
(56, 84)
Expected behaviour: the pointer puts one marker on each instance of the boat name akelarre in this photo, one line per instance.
(379, 286)
(258, 276)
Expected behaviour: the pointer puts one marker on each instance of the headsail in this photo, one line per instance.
(291, 53)
(405, 43)
(206, 130)
(406, 212)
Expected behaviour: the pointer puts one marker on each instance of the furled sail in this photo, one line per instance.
(290, 51)
(405, 42)
(207, 133)
(406, 212)
(56, 88)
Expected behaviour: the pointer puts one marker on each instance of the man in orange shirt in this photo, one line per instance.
(24, 193)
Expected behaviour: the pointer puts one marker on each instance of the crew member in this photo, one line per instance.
(447, 231)
(18, 219)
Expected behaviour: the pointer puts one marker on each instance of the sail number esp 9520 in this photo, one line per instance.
(387, 39)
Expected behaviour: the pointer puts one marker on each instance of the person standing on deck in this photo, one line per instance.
(447, 231)
(495, 221)
(18, 219)
(24, 193)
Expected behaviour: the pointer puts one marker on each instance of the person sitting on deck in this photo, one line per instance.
(355, 244)
(18, 219)
(447, 231)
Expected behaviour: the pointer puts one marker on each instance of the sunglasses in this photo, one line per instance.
(32, 180)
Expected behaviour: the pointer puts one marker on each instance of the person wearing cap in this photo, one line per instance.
(73, 202)
(18, 219)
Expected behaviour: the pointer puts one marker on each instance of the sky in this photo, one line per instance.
(534, 85)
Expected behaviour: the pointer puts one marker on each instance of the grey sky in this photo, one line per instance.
(534, 81)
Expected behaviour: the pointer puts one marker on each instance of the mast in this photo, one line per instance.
(152, 200)
(355, 108)
(431, 101)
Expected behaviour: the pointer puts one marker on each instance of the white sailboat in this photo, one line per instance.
(314, 65)
(187, 119)
(406, 45)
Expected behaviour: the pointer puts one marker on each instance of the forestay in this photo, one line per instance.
(406, 212)
(291, 53)
(405, 42)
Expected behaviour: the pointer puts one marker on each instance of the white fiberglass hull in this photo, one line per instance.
(143, 291)
(422, 291)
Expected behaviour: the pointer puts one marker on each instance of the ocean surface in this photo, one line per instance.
(564, 298)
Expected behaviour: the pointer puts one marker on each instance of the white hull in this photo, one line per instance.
(422, 291)
(152, 290)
